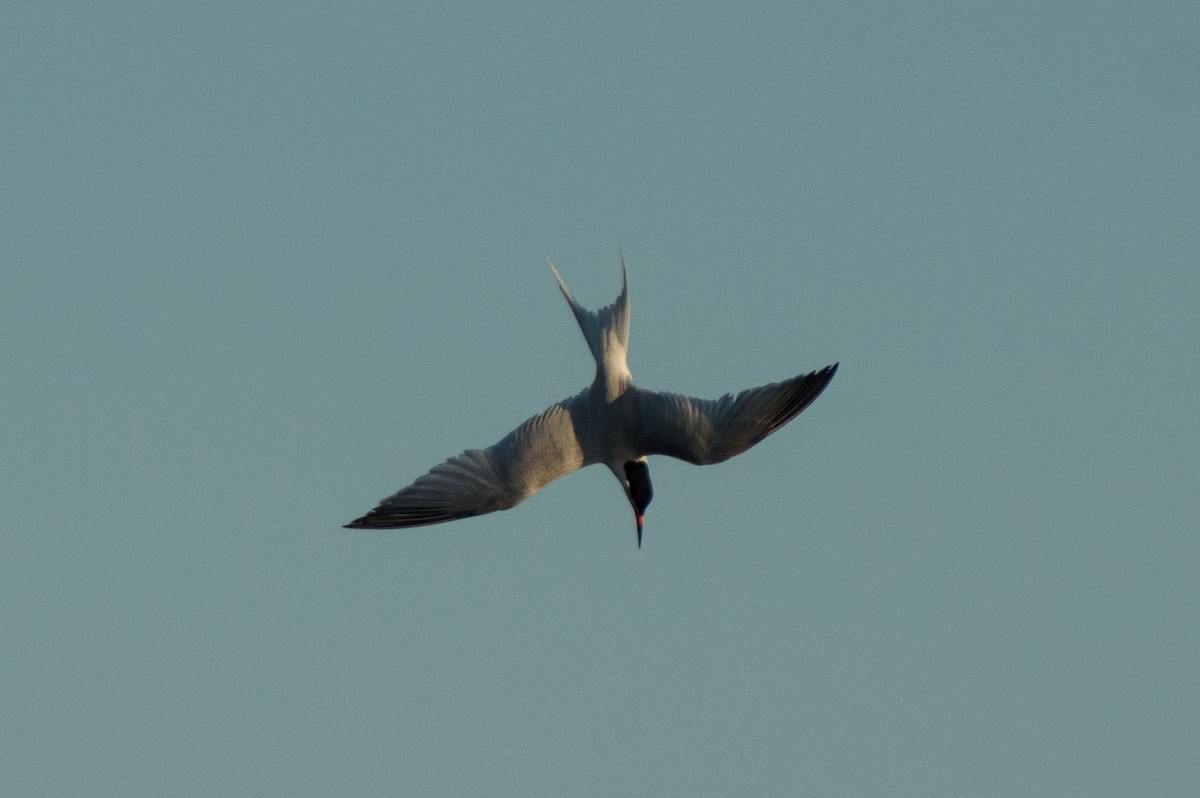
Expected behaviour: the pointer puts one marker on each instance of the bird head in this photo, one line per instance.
(638, 490)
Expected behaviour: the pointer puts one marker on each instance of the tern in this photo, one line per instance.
(612, 421)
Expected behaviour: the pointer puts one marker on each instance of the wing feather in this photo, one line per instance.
(477, 481)
(705, 431)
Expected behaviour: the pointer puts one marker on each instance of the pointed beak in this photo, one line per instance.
(638, 516)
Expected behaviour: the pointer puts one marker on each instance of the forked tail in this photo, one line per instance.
(606, 331)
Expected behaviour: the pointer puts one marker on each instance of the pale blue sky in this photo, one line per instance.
(263, 264)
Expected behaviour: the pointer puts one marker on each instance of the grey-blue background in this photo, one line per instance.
(263, 264)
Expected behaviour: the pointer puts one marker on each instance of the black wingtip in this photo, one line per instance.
(825, 375)
(368, 521)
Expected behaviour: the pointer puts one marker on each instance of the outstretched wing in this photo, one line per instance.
(475, 482)
(704, 431)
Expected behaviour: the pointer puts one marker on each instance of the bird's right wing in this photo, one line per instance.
(704, 431)
(475, 482)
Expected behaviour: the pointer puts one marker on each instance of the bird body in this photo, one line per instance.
(612, 421)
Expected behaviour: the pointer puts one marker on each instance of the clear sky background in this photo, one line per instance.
(263, 264)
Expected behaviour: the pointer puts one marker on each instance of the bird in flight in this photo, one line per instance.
(612, 421)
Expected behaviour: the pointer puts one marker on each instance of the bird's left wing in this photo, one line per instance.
(477, 481)
(705, 431)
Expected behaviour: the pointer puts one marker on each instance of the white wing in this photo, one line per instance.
(705, 431)
(475, 482)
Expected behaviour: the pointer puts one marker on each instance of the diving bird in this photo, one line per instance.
(612, 421)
